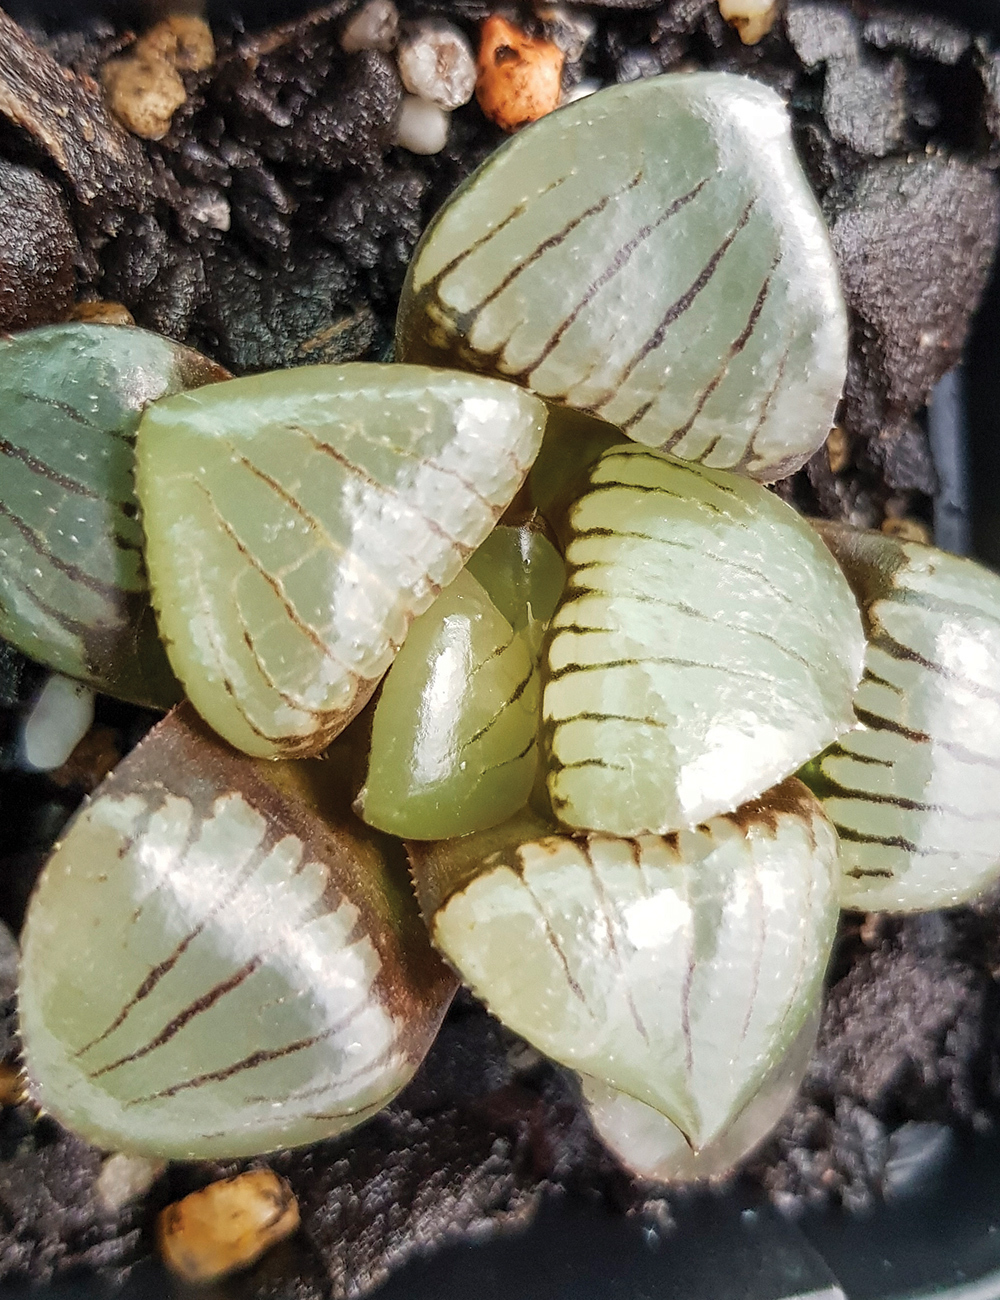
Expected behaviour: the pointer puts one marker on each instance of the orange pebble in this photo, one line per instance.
(519, 76)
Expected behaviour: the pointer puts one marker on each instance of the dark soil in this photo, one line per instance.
(273, 226)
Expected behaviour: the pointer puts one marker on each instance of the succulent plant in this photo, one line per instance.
(595, 747)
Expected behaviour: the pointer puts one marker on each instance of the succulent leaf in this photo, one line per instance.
(706, 646)
(73, 589)
(454, 735)
(677, 969)
(652, 1147)
(651, 254)
(914, 790)
(297, 522)
(217, 961)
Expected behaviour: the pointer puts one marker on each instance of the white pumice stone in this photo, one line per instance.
(375, 26)
(436, 62)
(423, 126)
(124, 1179)
(59, 719)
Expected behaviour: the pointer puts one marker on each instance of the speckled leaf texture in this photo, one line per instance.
(914, 791)
(651, 254)
(706, 646)
(73, 590)
(297, 522)
(676, 969)
(219, 962)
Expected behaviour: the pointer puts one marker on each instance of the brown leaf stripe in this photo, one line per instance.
(618, 262)
(658, 660)
(72, 571)
(487, 727)
(177, 1023)
(550, 935)
(611, 923)
(483, 240)
(465, 320)
(579, 592)
(45, 471)
(224, 901)
(896, 650)
(725, 561)
(261, 1057)
(737, 346)
(902, 653)
(677, 309)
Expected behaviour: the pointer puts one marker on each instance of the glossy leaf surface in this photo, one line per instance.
(914, 791)
(706, 647)
(454, 744)
(73, 589)
(652, 254)
(217, 963)
(651, 1146)
(297, 522)
(676, 969)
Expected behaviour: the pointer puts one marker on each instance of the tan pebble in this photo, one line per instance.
(519, 77)
(183, 40)
(753, 19)
(124, 1179)
(227, 1225)
(144, 87)
(102, 313)
(907, 530)
(838, 449)
(144, 93)
(12, 1086)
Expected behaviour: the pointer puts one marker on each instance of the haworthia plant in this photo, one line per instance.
(706, 646)
(454, 736)
(297, 522)
(914, 790)
(652, 1147)
(73, 590)
(677, 969)
(652, 254)
(218, 962)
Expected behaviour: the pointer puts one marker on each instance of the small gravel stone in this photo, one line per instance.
(12, 1089)
(183, 40)
(100, 312)
(519, 77)
(144, 92)
(375, 26)
(753, 19)
(125, 1178)
(423, 126)
(145, 87)
(907, 530)
(436, 62)
(227, 1225)
(59, 719)
(838, 449)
